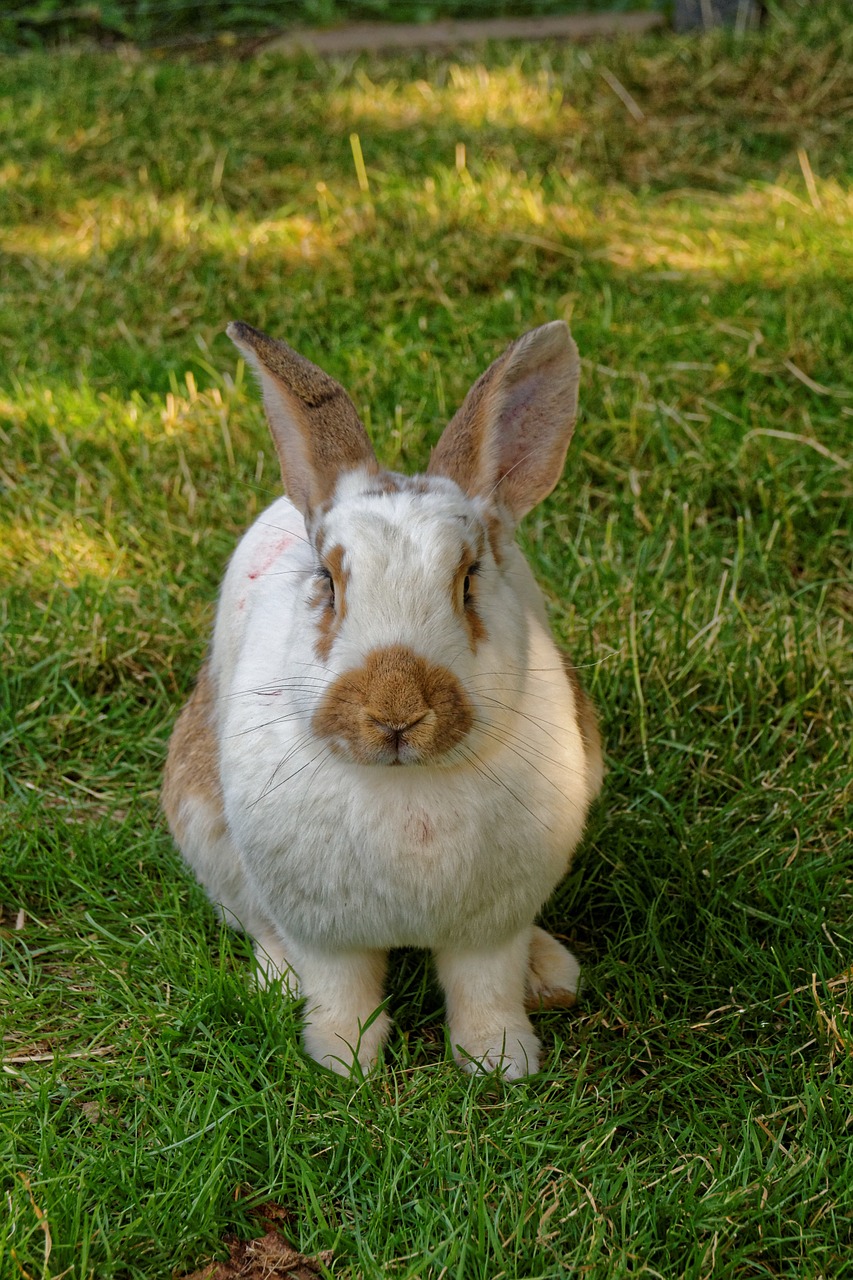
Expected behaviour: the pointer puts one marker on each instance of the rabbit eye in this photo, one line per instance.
(325, 576)
(467, 595)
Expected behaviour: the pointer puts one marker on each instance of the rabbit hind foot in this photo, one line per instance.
(553, 974)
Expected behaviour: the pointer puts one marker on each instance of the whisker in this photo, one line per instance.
(502, 737)
(310, 782)
(560, 792)
(279, 528)
(490, 774)
(264, 724)
(534, 720)
(269, 789)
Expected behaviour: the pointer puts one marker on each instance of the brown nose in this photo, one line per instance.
(395, 734)
(396, 708)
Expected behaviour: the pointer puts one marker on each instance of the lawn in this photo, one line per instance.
(686, 205)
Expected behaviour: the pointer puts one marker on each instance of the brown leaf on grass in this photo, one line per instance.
(270, 1257)
(269, 1214)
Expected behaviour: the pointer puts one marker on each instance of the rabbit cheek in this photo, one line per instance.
(397, 708)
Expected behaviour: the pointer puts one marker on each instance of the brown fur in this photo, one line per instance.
(394, 698)
(460, 452)
(394, 482)
(496, 533)
(192, 766)
(311, 417)
(588, 725)
(551, 1000)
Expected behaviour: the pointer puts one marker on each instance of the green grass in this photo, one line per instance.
(694, 1116)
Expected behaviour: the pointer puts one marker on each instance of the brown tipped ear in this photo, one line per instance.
(317, 432)
(509, 438)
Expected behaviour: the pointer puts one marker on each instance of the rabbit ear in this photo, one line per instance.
(509, 438)
(316, 430)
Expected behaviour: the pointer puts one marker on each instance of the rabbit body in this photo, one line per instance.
(385, 748)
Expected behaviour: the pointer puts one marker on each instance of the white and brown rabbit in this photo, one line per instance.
(385, 748)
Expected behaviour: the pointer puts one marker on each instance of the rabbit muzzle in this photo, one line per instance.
(395, 708)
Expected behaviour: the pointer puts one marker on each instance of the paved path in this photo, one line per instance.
(370, 37)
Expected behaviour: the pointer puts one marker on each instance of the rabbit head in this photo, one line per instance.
(414, 576)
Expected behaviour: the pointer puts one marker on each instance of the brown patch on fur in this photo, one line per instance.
(314, 525)
(394, 482)
(330, 615)
(396, 708)
(314, 424)
(588, 725)
(558, 999)
(550, 1000)
(418, 484)
(192, 765)
(386, 482)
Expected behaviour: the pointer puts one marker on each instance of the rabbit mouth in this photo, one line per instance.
(397, 708)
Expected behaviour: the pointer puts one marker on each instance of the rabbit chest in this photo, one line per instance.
(381, 862)
(347, 854)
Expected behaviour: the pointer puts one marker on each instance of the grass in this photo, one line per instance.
(694, 1116)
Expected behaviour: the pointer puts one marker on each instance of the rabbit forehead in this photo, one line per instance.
(402, 524)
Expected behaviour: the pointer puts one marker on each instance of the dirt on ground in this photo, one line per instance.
(268, 1257)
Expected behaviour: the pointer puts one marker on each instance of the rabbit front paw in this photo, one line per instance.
(345, 1023)
(272, 965)
(513, 1052)
(489, 1030)
(340, 1045)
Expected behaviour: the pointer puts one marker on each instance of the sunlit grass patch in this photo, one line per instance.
(473, 96)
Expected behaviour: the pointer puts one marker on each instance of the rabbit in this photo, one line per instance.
(385, 748)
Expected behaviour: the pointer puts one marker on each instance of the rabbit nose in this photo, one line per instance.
(387, 726)
(396, 708)
(395, 732)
